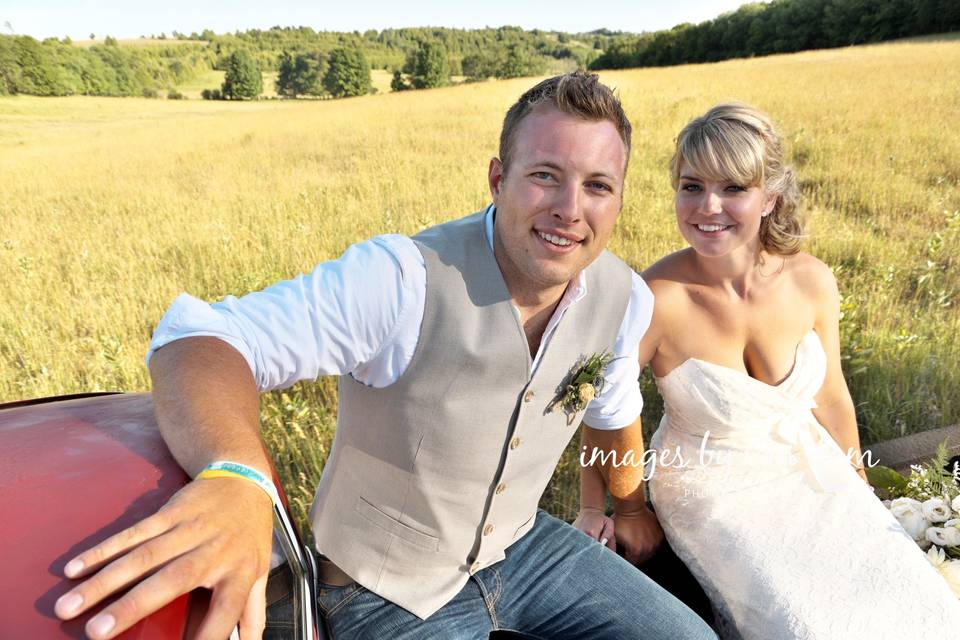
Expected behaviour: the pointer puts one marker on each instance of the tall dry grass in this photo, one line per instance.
(111, 207)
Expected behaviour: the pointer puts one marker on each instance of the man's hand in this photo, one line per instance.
(598, 526)
(214, 533)
(638, 533)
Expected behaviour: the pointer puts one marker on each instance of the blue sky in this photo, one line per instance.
(133, 18)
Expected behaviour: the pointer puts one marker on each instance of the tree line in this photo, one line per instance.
(337, 64)
(301, 57)
(782, 26)
(59, 68)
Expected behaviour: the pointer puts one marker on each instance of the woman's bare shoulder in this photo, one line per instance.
(670, 274)
(811, 276)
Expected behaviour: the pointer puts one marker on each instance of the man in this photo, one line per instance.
(453, 348)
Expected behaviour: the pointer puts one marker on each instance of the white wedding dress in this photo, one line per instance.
(782, 534)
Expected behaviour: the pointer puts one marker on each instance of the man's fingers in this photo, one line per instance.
(119, 574)
(170, 582)
(226, 605)
(254, 617)
(116, 545)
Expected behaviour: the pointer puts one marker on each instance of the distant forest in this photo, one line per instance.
(782, 26)
(426, 57)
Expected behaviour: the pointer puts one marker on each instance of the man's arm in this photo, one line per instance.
(208, 363)
(636, 527)
(214, 533)
(592, 516)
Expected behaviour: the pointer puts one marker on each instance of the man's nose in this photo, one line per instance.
(566, 207)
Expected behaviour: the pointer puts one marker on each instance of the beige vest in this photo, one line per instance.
(431, 478)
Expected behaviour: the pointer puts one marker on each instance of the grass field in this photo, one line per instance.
(111, 207)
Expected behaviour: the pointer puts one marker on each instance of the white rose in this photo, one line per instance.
(909, 514)
(956, 504)
(936, 510)
(902, 503)
(950, 570)
(951, 532)
(935, 535)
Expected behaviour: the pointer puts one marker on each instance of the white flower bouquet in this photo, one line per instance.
(927, 504)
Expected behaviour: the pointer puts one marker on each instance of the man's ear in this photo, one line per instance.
(494, 177)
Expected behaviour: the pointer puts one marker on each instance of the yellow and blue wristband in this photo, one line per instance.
(228, 469)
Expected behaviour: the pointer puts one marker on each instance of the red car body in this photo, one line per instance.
(75, 470)
(72, 473)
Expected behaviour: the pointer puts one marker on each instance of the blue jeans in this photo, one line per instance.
(555, 582)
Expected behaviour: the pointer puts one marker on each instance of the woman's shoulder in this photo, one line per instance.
(811, 276)
(670, 274)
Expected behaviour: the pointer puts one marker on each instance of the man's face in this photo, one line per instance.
(559, 201)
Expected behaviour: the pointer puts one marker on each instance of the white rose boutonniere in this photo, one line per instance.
(584, 383)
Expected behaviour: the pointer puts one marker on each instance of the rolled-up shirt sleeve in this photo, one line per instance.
(327, 322)
(620, 402)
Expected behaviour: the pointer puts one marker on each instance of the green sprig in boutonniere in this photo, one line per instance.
(584, 383)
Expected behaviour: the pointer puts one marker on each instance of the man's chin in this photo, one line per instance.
(550, 276)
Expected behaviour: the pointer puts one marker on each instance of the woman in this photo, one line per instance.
(767, 502)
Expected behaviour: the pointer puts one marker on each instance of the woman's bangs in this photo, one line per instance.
(723, 154)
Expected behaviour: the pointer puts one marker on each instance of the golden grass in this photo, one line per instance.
(111, 207)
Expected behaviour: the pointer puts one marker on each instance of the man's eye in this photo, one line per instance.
(600, 186)
(541, 175)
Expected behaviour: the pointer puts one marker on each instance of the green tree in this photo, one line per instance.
(348, 73)
(430, 67)
(301, 74)
(480, 66)
(243, 78)
(9, 66)
(398, 83)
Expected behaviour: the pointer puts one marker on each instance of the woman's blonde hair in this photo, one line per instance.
(736, 142)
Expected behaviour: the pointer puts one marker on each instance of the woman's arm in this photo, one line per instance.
(835, 410)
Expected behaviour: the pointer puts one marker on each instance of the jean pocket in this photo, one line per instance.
(330, 598)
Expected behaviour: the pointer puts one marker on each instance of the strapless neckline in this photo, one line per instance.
(744, 374)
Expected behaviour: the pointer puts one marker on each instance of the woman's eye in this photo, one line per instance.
(736, 188)
(692, 188)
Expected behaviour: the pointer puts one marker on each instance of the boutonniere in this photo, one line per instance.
(584, 383)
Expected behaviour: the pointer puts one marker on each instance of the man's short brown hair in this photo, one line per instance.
(577, 93)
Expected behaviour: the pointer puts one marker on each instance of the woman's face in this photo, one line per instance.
(719, 217)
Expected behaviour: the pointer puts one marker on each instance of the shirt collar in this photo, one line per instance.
(576, 288)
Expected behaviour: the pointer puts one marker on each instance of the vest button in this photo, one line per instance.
(487, 530)
(515, 443)
(500, 488)
(528, 396)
